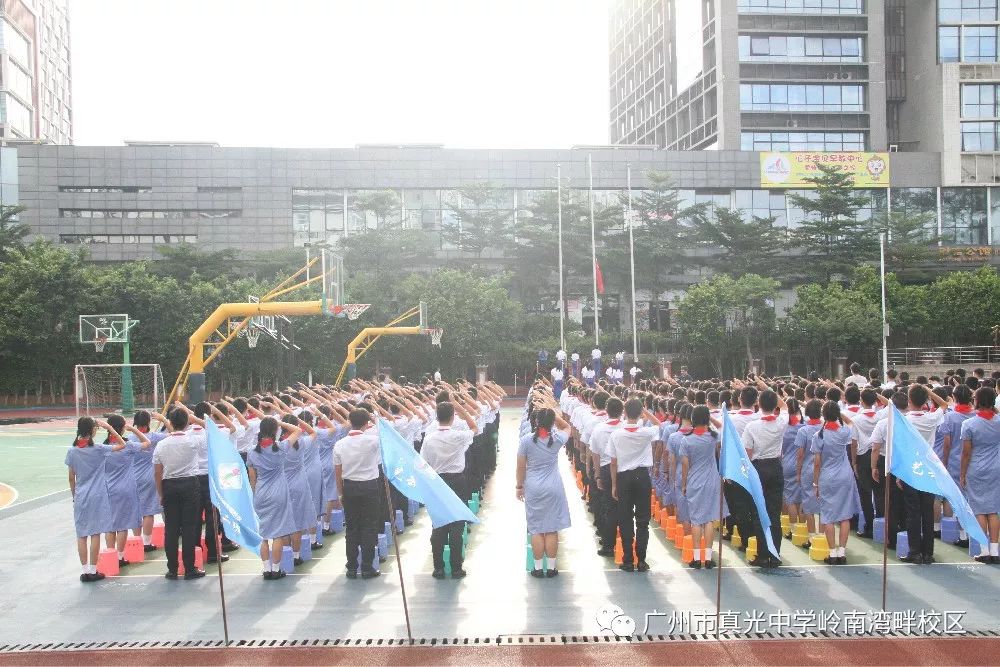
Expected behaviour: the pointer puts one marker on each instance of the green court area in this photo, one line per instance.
(33, 456)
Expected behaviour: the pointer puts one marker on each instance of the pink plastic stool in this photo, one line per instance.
(198, 562)
(107, 563)
(134, 553)
(158, 536)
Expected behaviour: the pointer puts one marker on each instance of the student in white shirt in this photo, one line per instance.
(444, 450)
(606, 507)
(356, 459)
(920, 504)
(762, 439)
(863, 423)
(856, 377)
(631, 451)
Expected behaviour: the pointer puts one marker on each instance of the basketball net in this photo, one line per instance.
(435, 335)
(100, 343)
(253, 335)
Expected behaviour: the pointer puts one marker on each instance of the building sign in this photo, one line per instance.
(968, 254)
(790, 170)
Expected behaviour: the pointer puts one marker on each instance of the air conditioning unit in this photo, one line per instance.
(792, 123)
(893, 148)
(847, 75)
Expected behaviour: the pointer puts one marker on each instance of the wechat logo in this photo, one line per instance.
(611, 618)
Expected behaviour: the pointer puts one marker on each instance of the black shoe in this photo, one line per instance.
(458, 574)
(212, 561)
(788, 536)
(551, 573)
(983, 559)
(963, 543)
(775, 562)
(709, 564)
(607, 553)
(841, 560)
(937, 534)
(328, 532)
(268, 576)
(928, 560)
(695, 565)
(438, 574)
(743, 548)
(316, 546)
(642, 566)
(626, 567)
(280, 574)
(868, 535)
(229, 547)
(194, 574)
(832, 560)
(122, 562)
(170, 575)
(408, 522)
(760, 561)
(538, 574)
(85, 577)
(370, 574)
(382, 559)
(148, 547)
(297, 561)
(807, 545)
(728, 537)
(912, 559)
(351, 573)
(995, 560)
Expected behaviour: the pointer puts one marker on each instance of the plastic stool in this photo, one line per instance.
(903, 544)
(413, 508)
(737, 540)
(199, 559)
(476, 502)
(287, 560)
(949, 530)
(447, 559)
(158, 535)
(107, 563)
(383, 546)
(820, 548)
(306, 549)
(319, 533)
(619, 550)
(337, 520)
(786, 524)
(751, 548)
(387, 529)
(878, 530)
(679, 536)
(400, 524)
(134, 552)
(975, 548)
(800, 534)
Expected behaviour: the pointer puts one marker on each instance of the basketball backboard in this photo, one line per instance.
(105, 328)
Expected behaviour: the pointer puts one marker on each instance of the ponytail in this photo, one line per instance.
(84, 432)
(267, 435)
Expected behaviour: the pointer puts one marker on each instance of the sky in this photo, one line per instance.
(336, 73)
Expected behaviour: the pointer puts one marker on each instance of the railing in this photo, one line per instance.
(969, 355)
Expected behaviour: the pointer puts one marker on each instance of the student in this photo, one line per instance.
(805, 468)
(175, 469)
(763, 439)
(740, 503)
(891, 376)
(920, 504)
(863, 421)
(123, 493)
(595, 360)
(89, 490)
(271, 497)
(631, 452)
(557, 380)
(606, 507)
(675, 463)
(149, 504)
(700, 482)
(980, 470)
(588, 374)
(356, 459)
(444, 450)
(856, 378)
(792, 493)
(833, 481)
(951, 443)
(304, 507)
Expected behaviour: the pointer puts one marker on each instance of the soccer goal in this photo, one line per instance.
(121, 388)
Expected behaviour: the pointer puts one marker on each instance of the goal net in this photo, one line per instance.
(121, 388)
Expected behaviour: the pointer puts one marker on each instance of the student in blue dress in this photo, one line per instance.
(701, 484)
(539, 484)
(271, 498)
(149, 502)
(980, 470)
(300, 494)
(123, 493)
(805, 467)
(673, 447)
(89, 489)
(833, 480)
(951, 442)
(789, 464)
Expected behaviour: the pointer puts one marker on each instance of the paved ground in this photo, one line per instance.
(39, 576)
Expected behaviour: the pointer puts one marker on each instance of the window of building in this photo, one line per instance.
(979, 137)
(802, 141)
(799, 48)
(16, 115)
(172, 214)
(948, 51)
(979, 100)
(963, 216)
(16, 45)
(800, 97)
(966, 11)
(800, 6)
(18, 81)
(127, 239)
(979, 44)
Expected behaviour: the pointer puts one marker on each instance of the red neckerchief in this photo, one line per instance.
(143, 429)
(632, 429)
(686, 431)
(700, 430)
(916, 414)
(832, 426)
(768, 418)
(613, 422)
(353, 432)
(814, 422)
(853, 408)
(793, 420)
(869, 413)
(987, 414)
(745, 412)
(82, 442)
(179, 433)
(963, 408)
(543, 433)
(266, 442)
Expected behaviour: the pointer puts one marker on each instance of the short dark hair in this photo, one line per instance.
(178, 419)
(768, 400)
(445, 412)
(359, 417)
(633, 408)
(918, 394)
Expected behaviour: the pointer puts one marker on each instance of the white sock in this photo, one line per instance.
(697, 554)
(984, 550)
(266, 564)
(551, 562)
(962, 535)
(326, 525)
(995, 548)
(147, 539)
(295, 554)
(92, 569)
(121, 555)
(937, 526)
(842, 552)
(86, 568)
(538, 563)
(708, 553)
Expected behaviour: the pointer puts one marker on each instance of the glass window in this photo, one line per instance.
(18, 81)
(795, 48)
(979, 100)
(16, 114)
(966, 11)
(800, 97)
(963, 216)
(16, 45)
(802, 141)
(948, 45)
(979, 136)
(979, 44)
(800, 6)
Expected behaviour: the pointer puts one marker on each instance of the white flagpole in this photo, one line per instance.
(885, 324)
(562, 300)
(631, 257)
(593, 252)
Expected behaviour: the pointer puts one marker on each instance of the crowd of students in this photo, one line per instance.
(817, 445)
(308, 451)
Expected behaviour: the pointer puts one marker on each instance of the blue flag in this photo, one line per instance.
(415, 479)
(230, 489)
(913, 461)
(734, 465)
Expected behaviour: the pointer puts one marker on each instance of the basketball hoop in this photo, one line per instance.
(435, 335)
(99, 343)
(253, 335)
(351, 311)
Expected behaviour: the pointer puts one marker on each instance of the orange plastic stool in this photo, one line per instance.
(134, 553)
(198, 561)
(158, 535)
(107, 563)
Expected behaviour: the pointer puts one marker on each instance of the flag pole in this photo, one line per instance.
(886, 514)
(562, 301)
(885, 325)
(593, 252)
(218, 562)
(395, 543)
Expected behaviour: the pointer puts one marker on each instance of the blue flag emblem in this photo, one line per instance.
(734, 465)
(913, 461)
(415, 479)
(230, 488)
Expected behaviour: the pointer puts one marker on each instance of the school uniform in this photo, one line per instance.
(595, 360)
(895, 518)
(982, 478)
(605, 505)
(632, 448)
(299, 490)
(789, 462)
(557, 382)
(91, 507)
(698, 446)
(674, 442)
(860, 380)
(763, 438)
(207, 516)
(741, 506)
(838, 498)
(178, 454)
(589, 376)
(444, 450)
(142, 469)
(123, 495)
(920, 504)
(359, 456)
(862, 425)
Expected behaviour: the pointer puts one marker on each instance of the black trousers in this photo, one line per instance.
(208, 517)
(606, 511)
(919, 521)
(772, 481)
(449, 534)
(181, 509)
(362, 505)
(866, 487)
(895, 522)
(740, 509)
(634, 487)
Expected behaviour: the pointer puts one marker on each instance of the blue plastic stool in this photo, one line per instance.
(949, 529)
(388, 533)
(400, 525)
(902, 544)
(337, 520)
(878, 530)
(287, 560)
(975, 549)
(383, 546)
(447, 560)
(306, 550)
(319, 534)
(375, 562)
(413, 508)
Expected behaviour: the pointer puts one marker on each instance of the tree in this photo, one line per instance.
(483, 220)
(186, 261)
(966, 305)
(906, 305)
(386, 252)
(909, 241)
(832, 238)
(832, 317)
(741, 246)
(12, 232)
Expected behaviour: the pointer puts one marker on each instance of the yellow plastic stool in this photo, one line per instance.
(820, 549)
(737, 541)
(800, 535)
(751, 549)
(786, 524)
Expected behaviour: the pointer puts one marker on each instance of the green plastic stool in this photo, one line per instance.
(447, 560)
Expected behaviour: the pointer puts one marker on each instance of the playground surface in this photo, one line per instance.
(495, 602)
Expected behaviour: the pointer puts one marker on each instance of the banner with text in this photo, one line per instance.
(791, 170)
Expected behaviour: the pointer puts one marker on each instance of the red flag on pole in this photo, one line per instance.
(598, 277)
